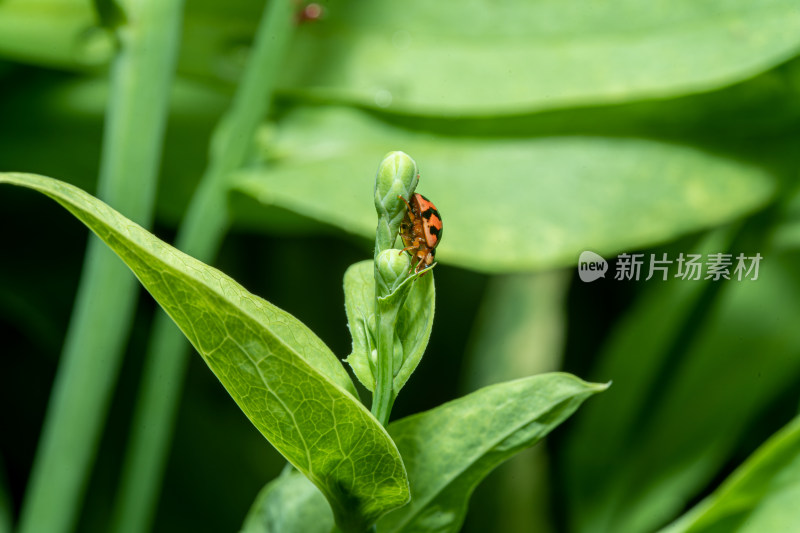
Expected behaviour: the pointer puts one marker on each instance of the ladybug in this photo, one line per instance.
(421, 230)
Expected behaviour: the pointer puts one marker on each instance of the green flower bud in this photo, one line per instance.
(391, 268)
(397, 177)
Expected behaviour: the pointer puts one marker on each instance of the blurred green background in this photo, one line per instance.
(541, 129)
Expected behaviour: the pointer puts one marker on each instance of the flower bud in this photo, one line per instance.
(397, 177)
(392, 269)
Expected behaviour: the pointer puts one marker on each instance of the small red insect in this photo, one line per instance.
(421, 230)
(308, 13)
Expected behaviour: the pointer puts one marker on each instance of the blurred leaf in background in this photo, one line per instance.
(760, 496)
(493, 58)
(553, 198)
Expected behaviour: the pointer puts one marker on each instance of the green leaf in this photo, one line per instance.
(695, 365)
(413, 327)
(450, 449)
(284, 378)
(289, 504)
(508, 205)
(484, 57)
(760, 496)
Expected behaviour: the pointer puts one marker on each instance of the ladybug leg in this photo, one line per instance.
(415, 268)
(410, 211)
(415, 246)
(426, 259)
(406, 201)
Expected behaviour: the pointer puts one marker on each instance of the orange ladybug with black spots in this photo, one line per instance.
(421, 230)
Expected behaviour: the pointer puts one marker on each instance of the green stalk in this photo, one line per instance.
(137, 111)
(395, 180)
(386, 319)
(200, 235)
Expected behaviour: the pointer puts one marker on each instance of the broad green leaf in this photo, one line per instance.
(694, 366)
(413, 327)
(448, 451)
(508, 204)
(451, 448)
(483, 57)
(760, 496)
(284, 378)
(426, 58)
(289, 504)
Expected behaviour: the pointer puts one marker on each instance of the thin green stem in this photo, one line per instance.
(201, 234)
(137, 111)
(386, 318)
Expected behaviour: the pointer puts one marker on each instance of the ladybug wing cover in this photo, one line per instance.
(432, 220)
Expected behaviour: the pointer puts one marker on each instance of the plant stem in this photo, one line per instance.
(386, 317)
(137, 111)
(201, 234)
